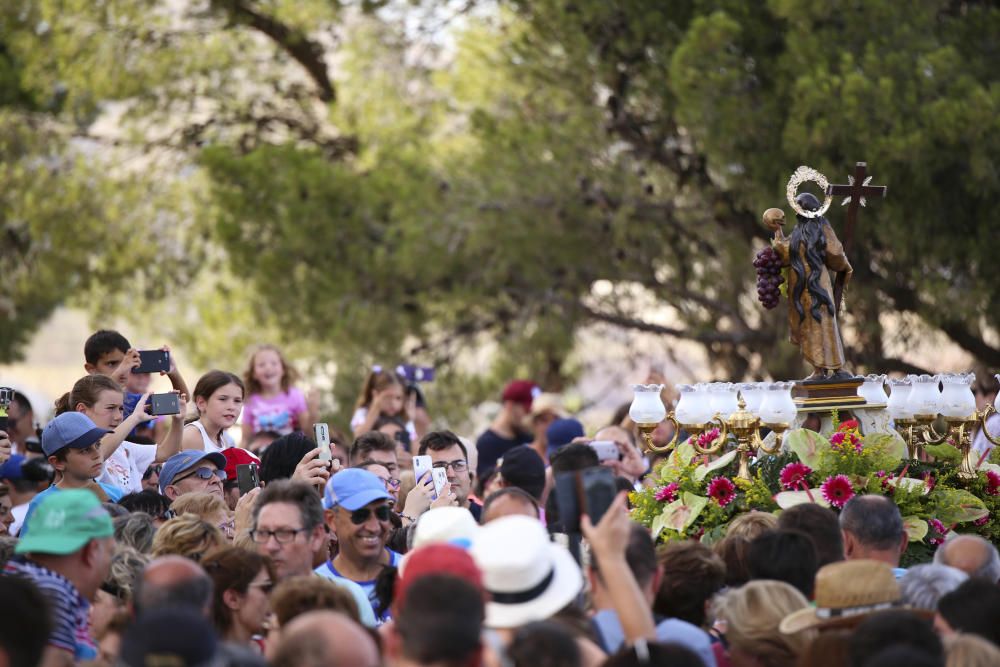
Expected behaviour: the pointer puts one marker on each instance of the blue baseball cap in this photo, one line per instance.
(352, 489)
(561, 432)
(11, 469)
(70, 429)
(186, 460)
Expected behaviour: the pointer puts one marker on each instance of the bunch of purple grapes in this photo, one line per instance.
(769, 277)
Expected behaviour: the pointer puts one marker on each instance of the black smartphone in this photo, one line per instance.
(164, 404)
(153, 361)
(6, 396)
(247, 477)
(590, 491)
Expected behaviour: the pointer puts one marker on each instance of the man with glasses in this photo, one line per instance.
(448, 452)
(191, 471)
(288, 528)
(360, 514)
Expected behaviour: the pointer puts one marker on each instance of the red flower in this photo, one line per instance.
(841, 440)
(849, 425)
(982, 522)
(992, 483)
(793, 475)
(708, 437)
(929, 481)
(722, 490)
(668, 493)
(837, 490)
(939, 531)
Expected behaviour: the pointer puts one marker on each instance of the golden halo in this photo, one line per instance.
(801, 175)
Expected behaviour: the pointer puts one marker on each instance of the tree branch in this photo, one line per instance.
(307, 53)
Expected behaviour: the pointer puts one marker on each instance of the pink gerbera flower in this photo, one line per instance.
(982, 522)
(992, 483)
(668, 493)
(722, 490)
(837, 490)
(707, 438)
(793, 476)
(939, 529)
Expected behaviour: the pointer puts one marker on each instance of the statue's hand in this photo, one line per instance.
(774, 219)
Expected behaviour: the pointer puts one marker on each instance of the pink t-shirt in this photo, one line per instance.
(281, 413)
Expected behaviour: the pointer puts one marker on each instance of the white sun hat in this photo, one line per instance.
(528, 577)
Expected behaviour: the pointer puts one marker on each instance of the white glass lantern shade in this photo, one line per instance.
(899, 394)
(873, 389)
(957, 399)
(778, 406)
(924, 400)
(753, 395)
(724, 402)
(693, 407)
(647, 407)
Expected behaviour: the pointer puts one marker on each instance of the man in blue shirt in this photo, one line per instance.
(67, 556)
(358, 511)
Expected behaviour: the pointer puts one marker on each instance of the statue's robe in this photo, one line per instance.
(819, 341)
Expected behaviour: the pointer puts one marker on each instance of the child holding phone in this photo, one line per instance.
(273, 402)
(219, 399)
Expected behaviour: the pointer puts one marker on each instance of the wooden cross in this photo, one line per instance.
(856, 191)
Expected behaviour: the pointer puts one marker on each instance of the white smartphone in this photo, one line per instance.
(440, 476)
(606, 450)
(322, 433)
(422, 470)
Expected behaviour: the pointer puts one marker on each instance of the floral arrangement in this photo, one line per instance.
(695, 497)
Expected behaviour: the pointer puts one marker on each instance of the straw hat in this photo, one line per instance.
(846, 592)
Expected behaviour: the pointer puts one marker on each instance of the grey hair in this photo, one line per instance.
(990, 569)
(873, 520)
(923, 585)
(135, 530)
(299, 494)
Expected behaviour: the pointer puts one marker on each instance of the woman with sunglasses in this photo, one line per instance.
(242, 581)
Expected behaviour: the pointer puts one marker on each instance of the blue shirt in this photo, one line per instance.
(612, 636)
(358, 593)
(68, 609)
(368, 587)
(114, 495)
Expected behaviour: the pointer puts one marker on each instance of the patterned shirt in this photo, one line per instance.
(69, 610)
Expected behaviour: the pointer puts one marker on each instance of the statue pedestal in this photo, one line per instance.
(872, 418)
(829, 394)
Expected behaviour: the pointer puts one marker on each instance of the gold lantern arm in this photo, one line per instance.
(989, 410)
(647, 435)
(718, 443)
(930, 436)
(758, 442)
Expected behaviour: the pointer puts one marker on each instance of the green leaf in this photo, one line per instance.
(807, 445)
(680, 514)
(916, 528)
(944, 452)
(953, 506)
(889, 443)
(701, 471)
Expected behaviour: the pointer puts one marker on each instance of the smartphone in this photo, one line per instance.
(590, 491)
(606, 450)
(422, 468)
(153, 361)
(247, 477)
(322, 434)
(164, 404)
(440, 477)
(6, 396)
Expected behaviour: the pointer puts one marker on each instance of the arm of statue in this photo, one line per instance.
(774, 219)
(836, 260)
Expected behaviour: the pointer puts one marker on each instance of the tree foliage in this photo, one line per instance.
(530, 169)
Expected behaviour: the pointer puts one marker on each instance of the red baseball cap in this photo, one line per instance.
(440, 558)
(521, 391)
(237, 456)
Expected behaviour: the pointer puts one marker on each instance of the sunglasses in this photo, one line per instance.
(382, 513)
(152, 470)
(205, 474)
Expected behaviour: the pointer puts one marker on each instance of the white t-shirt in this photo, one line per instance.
(980, 444)
(210, 445)
(361, 414)
(125, 467)
(19, 512)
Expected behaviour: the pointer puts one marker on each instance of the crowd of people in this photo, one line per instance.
(134, 539)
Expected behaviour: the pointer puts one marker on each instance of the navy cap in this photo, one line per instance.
(70, 429)
(561, 432)
(186, 460)
(11, 469)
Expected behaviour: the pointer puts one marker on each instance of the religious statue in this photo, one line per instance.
(813, 252)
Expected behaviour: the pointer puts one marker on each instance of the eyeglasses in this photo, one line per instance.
(282, 535)
(460, 465)
(391, 484)
(204, 474)
(228, 527)
(152, 470)
(382, 513)
(265, 586)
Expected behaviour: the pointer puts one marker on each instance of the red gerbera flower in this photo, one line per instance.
(849, 425)
(992, 483)
(982, 521)
(837, 490)
(722, 490)
(793, 475)
(939, 532)
(668, 493)
(708, 437)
